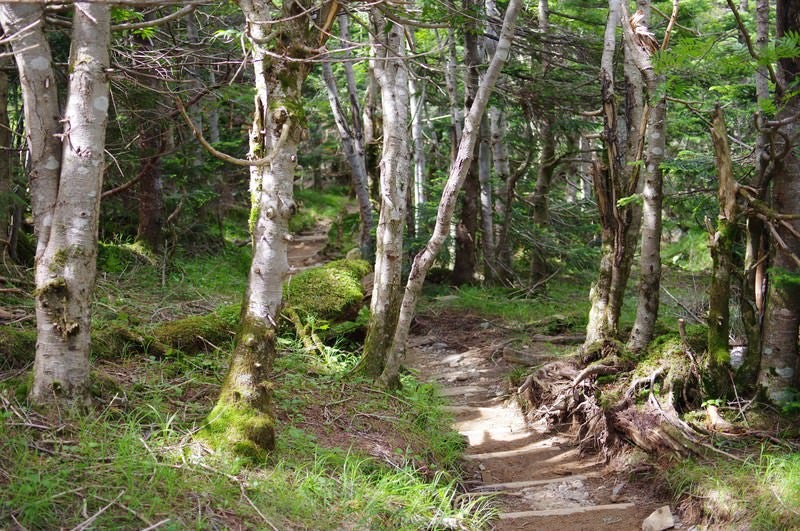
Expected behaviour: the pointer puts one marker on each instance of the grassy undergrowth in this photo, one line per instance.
(349, 455)
(761, 493)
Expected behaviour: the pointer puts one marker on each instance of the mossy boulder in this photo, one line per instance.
(332, 292)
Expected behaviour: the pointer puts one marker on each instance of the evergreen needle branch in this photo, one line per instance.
(699, 114)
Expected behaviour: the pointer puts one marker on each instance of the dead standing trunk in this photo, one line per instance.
(391, 72)
(6, 174)
(66, 190)
(466, 147)
(721, 239)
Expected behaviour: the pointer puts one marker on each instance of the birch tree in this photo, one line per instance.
(458, 172)
(391, 72)
(280, 40)
(66, 172)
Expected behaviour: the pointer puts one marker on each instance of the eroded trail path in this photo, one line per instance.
(541, 480)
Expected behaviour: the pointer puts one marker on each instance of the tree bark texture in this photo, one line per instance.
(716, 378)
(458, 172)
(6, 175)
(487, 203)
(618, 179)
(505, 195)
(650, 258)
(243, 415)
(352, 134)
(779, 375)
(466, 244)
(352, 143)
(541, 193)
(391, 72)
(65, 189)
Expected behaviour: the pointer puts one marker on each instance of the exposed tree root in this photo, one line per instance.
(606, 418)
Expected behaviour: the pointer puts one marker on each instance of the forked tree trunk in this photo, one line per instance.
(242, 419)
(423, 261)
(391, 72)
(66, 190)
(620, 179)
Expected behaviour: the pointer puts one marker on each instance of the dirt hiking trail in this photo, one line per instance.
(540, 480)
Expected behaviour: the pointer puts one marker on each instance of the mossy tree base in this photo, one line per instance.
(242, 420)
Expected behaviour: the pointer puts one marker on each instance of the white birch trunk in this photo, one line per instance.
(417, 96)
(458, 172)
(392, 75)
(66, 191)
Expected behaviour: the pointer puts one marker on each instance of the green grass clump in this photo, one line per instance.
(317, 205)
(17, 347)
(762, 493)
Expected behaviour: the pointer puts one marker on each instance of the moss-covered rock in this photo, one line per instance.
(332, 292)
(17, 347)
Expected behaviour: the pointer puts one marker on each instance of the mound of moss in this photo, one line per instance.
(115, 258)
(200, 332)
(332, 292)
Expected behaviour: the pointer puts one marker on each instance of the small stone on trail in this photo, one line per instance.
(440, 346)
(659, 520)
(485, 325)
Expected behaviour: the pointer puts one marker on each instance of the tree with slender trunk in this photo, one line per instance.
(67, 162)
(389, 65)
(466, 240)
(780, 358)
(652, 197)
(6, 173)
(458, 172)
(242, 419)
(351, 133)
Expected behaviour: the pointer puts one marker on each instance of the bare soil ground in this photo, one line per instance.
(539, 478)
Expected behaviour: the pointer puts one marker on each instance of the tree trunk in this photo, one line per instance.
(779, 375)
(716, 377)
(65, 191)
(6, 174)
(458, 172)
(751, 302)
(242, 419)
(151, 201)
(541, 211)
(417, 95)
(650, 261)
(392, 75)
(352, 143)
(620, 179)
(505, 196)
(466, 258)
(353, 140)
(487, 203)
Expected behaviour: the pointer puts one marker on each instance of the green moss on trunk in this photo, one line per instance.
(242, 420)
